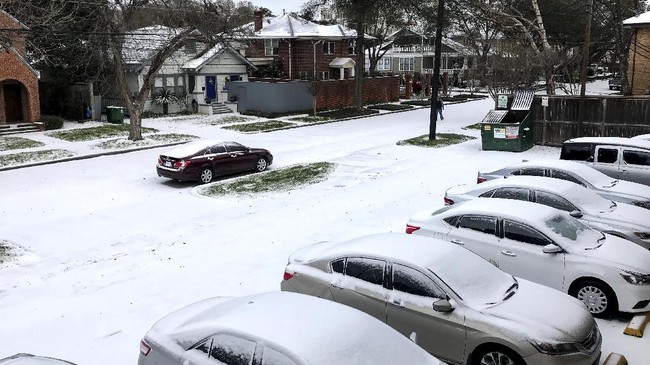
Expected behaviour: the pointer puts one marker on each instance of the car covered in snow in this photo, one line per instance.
(29, 359)
(276, 329)
(547, 246)
(204, 160)
(454, 304)
(620, 219)
(605, 186)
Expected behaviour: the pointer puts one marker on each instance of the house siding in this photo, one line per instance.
(639, 62)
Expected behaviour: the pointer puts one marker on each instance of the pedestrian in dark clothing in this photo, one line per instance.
(439, 107)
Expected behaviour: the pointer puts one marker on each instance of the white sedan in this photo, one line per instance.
(547, 246)
(620, 219)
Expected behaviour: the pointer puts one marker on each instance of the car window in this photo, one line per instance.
(217, 148)
(369, 270)
(452, 221)
(512, 193)
(576, 152)
(272, 357)
(607, 155)
(554, 200)
(523, 233)
(235, 147)
(487, 194)
(636, 157)
(562, 175)
(479, 223)
(227, 349)
(338, 265)
(414, 282)
(529, 171)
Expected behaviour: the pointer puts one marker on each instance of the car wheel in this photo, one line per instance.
(206, 175)
(261, 165)
(597, 296)
(497, 355)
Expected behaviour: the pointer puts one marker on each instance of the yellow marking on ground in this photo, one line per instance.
(637, 325)
(615, 359)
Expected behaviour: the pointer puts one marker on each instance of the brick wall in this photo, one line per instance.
(14, 71)
(639, 62)
(337, 94)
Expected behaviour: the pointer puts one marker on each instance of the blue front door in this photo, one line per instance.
(211, 87)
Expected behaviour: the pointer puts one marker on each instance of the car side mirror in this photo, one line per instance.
(442, 305)
(576, 214)
(552, 249)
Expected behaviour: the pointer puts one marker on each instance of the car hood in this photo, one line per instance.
(626, 215)
(628, 188)
(621, 253)
(554, 316)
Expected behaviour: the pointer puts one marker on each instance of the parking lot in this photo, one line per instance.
(108, 247)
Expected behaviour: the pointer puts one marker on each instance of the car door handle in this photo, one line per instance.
(398, 303)
(337, 286)
(458, 242)
(233, 155)
(210, 158)
(509, 253)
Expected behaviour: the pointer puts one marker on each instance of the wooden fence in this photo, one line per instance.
(607, 116)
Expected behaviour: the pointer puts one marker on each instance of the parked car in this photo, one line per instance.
(547, 246)
(276, 329)
(620, 219)
(615, 83)
(620, 158)
(456, 305)
(605, 186)
(202, 161)
(645, 137)
(29, 359)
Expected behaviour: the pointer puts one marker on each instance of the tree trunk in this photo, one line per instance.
(165, 108)
(358, 76)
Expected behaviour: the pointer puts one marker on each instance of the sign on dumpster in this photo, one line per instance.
(499, 133)
(512, 132)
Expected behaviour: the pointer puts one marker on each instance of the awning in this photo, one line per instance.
(342, 62)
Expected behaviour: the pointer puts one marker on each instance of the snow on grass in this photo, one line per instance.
(17, 143)
(259, 126)
(149, 140)
(97, 132)
(442, 140)
(23, 158)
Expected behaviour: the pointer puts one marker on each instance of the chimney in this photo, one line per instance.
(259, 17)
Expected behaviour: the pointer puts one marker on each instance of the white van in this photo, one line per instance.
(620, 158)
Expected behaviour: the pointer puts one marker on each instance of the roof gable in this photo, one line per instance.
(638, 21)
(292, 26)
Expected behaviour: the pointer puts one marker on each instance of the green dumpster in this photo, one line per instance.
(509, 127)
(115, 114)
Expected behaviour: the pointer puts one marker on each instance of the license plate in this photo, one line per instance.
(168, 163)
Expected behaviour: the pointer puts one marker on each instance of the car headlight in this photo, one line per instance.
(635, 278)
(643, 235)
(555, 348)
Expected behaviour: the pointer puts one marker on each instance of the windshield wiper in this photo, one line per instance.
(599, 241)
(511, 290)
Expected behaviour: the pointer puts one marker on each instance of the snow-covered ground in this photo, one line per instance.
(109, 247)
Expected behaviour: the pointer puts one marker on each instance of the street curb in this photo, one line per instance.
(85, 157)
(637, 325)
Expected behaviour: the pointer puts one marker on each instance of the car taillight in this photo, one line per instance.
(144, 348)
(410, 228)
(288, 275)
(181, 164)
(480, 179)
(448, 201)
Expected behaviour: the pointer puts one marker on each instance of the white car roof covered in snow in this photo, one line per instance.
(534, 182)
(506, 208)
(631, 142)
(306, 326)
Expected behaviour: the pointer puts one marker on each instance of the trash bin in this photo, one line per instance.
(509, 127)
(115, 114)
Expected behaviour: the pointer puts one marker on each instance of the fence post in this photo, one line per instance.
(602, 119)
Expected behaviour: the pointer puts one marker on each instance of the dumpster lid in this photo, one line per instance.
(494, 116)
(523, 100)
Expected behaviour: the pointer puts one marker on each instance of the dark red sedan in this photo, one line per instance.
(202, 161)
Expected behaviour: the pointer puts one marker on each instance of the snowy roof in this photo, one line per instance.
(292, 26)
(639, 20)
(141, 44)
(295, 323)
(613, 140)
(202, 59)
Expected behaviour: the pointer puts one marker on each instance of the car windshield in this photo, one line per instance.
(574, 231)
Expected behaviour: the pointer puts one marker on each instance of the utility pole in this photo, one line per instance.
(583, 71)
(433, 118)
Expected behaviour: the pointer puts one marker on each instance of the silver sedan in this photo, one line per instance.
(454, 304)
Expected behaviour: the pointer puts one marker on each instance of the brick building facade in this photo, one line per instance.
(19, 99)
(639, 55)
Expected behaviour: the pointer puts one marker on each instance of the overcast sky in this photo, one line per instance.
(277, 6)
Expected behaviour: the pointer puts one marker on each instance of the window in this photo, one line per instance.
(512, 193)
(271, 47)
(529, 171)
(384, 64)
(326, 14)
(577, 152)
(352, 46)
(607, 155)
(368, 270)
(173, 83)
(328, 47)
(272, 357)
(555, 201)
(227, 349)
(218, 148)
(325, 75)
(479, 223)
(235, 147)
(487, 194)
(452, 221)
(522, 233)
(338, 266)
(407, 64)
(636, 158)
(562, 175)
(411, 281)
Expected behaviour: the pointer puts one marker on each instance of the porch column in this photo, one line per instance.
(341, 73)
(352, 72)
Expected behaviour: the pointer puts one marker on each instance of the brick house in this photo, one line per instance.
(638, 71)
(19, 98)
(302, 48)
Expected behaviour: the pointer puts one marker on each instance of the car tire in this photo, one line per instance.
(597, 296)
(497, 355)
(261, 164)
(206, 175)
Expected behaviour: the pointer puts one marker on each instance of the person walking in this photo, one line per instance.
(439, 107)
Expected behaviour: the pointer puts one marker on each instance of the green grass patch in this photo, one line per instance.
(231, 119)
(348, 113)
(391, 107)
(102, 131)
(150, 140)
(279, 180)
(17, 143)
(442, 140)
(32, 157)
(259, 126)
(476, 126)
(309, 119)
